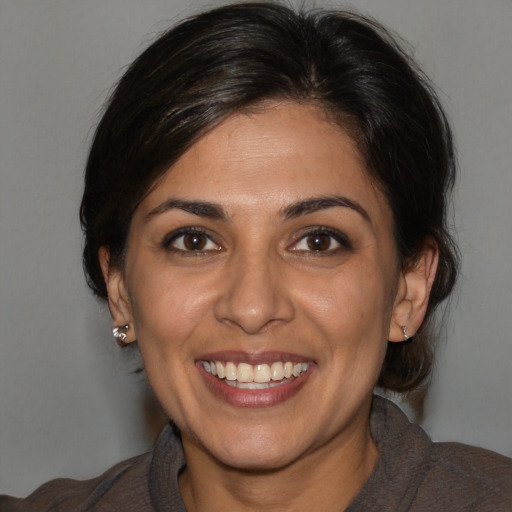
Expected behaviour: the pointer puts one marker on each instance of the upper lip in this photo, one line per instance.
(237, 356)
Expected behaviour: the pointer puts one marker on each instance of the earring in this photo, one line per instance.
(119, 333)
(406, 334)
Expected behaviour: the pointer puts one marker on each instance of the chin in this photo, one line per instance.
(252, 449)
(258, 460)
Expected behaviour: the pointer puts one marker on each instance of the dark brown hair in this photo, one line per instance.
(235, 57)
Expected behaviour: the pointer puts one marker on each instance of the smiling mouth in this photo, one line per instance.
(258, 376)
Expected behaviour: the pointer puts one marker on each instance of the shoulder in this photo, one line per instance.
(125, 483)
(142, 483)
(415, 474)
(466, 477)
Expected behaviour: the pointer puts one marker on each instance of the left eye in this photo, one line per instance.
(193, 242)
(318, 241)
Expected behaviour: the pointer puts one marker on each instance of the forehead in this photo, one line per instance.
(269, 157)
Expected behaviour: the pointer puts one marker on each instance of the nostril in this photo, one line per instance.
(253, 301)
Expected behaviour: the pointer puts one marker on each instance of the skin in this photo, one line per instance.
(256, 285)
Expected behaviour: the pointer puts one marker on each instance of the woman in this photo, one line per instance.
(265, 211)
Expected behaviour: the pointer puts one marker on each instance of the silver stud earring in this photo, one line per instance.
(406, 334)
(119, 333)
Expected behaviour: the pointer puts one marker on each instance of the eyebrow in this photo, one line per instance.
(294, 210)
(315, 204)
(199, 208)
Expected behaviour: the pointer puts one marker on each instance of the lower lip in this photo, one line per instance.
(253, 397)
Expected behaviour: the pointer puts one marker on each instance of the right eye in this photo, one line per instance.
(322, 241)
(190, 240)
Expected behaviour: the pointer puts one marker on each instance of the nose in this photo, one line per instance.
(253, 295)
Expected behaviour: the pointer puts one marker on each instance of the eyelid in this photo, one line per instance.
(174, 235)
(341, 238)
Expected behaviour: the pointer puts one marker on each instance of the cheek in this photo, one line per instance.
(167, 306)
(350, 302)
(352, 311)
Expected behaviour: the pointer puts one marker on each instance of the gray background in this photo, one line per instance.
(69, 404)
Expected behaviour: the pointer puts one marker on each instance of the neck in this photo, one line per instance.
(328, 478)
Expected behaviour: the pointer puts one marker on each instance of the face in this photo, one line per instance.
(261, 280)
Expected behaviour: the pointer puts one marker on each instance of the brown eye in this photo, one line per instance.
(194, 241)
(319, 242)
(189, 240)
(322, 240)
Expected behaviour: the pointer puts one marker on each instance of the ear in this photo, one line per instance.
(413, 293)
(118, 298)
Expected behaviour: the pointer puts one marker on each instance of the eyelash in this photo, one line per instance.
(333, 235)
(171, 238)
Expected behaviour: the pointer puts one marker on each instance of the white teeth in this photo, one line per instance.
(220, 370)
(252, 385)
(277, 371)
(262, 373)
(230, 371)
(255, 385)
(260, 376)
(245, 373)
